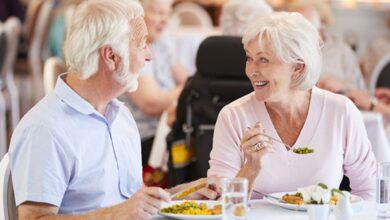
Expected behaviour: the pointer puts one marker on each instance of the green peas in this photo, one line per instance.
(303, 150)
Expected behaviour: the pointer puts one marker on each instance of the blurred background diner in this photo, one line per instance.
(356, 58)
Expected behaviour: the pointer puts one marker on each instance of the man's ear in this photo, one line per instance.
(109, 57)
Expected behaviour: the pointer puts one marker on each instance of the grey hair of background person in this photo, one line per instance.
(293, 39)
(146, 3)
(237, 14)
(95, 24)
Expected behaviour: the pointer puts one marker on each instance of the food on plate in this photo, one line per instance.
(293, 199)
(313, 194)
(192, 208)
(303, 150)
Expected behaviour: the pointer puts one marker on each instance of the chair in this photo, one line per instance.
(39, 15)
(220, 78)
(7, 204)
(53, 67)
(380, 76)
(191, 14)
(12, 30)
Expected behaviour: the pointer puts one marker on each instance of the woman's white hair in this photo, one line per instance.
(237, 14)
(293, 39)
(97, 23)
(146, 3)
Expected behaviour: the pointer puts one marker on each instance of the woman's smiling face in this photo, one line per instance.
(270, 76)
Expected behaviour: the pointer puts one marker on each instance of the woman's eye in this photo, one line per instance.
(263, 60)
(248, 59)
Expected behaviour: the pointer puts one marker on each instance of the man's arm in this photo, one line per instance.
(142, 205)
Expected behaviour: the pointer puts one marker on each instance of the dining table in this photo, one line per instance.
(261, 209)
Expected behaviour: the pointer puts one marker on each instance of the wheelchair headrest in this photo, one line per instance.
(221, 57)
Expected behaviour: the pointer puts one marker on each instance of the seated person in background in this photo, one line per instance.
(162, 79)
(76, 154)
(380, 103)
(376, 50)
(236, 14)
(284, 64)
(340, 66)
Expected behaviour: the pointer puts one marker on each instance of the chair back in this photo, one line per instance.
(41, 19)
(7, 204)
(380, 76)
(220, 79)
(191, 14)
(53, 67)
(12, 28)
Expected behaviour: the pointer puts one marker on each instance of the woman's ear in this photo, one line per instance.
(298, 70)
(109, 57)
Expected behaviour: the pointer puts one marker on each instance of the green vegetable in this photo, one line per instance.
(303, 150)
(322, 185)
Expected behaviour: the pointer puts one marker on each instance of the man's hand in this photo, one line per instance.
(146, 202)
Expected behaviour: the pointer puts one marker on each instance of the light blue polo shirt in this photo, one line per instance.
(65, 153)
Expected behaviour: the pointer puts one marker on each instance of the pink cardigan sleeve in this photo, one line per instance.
(359, 160)
(226, 156)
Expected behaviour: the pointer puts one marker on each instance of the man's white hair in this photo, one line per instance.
(237, 14)
(293, 39)
(97, 23)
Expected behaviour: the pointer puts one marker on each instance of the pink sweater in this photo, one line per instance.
(334, 128)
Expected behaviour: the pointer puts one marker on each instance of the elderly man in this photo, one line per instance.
(77, 152)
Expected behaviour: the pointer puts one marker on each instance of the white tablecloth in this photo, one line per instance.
(377, 135)
(261, 209)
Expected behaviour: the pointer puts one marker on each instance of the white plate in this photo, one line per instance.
(354, 199)
(210, 204)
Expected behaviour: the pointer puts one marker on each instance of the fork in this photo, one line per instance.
(274, 139)
(268, 196)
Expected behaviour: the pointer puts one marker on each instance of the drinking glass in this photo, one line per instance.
(383, 190)
(234, 198)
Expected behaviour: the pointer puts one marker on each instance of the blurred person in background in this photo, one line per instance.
(237, 14)
(10, 8)
(162, 79)
(376, 50)
(283, 64)
(340, 68)
(76, 154)
(378, 103)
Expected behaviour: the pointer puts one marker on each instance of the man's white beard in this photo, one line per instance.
(125, 77)
(128, 80)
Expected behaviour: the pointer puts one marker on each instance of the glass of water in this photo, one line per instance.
(383, 190)
(234, 198)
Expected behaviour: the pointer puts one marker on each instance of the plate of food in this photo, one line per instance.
(315, 194)
(192, 209)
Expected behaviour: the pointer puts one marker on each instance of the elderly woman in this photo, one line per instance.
(237, 14)
(283, 64)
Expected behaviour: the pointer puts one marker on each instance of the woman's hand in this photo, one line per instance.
(255, 146)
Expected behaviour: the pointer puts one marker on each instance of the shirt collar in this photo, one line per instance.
(74, 100)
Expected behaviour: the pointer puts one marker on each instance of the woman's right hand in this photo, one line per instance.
(255, 146)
